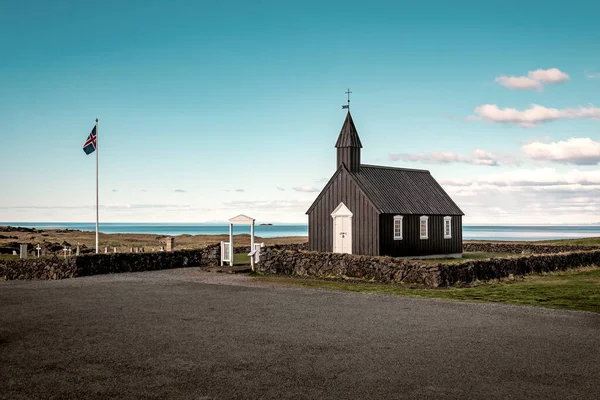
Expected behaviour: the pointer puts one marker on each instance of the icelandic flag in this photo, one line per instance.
(90, 144)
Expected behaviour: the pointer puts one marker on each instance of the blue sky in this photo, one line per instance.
(209, 110)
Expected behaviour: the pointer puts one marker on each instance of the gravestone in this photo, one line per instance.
(38, 248)
(170, 243)
(14, 252)
(23, 251)
(131, 249)
(114, 249)
(77, 250)
(106, 250)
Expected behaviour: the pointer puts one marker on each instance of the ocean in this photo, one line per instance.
(470, 232)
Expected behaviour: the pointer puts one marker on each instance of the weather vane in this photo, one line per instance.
(348, 105)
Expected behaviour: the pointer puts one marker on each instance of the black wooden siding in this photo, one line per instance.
(411, 243)
(350, 157)
(365, 221)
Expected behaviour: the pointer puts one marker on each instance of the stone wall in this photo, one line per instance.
(94, 264)
(38, 268)
(288, 246)
(211, 255)
(397, 270)
(380, 269)
(522, 248)
(497, 268)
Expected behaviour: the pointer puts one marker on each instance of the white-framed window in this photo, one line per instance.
(447, 227)
(398, 227)
(424, 227)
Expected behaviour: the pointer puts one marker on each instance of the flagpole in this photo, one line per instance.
(97, 185)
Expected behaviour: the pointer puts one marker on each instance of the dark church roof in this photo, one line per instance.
(404, 191)
(348, 135)
(390, 190)
(400, 191)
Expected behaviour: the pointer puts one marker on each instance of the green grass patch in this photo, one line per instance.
(592, 241)
(571, 290)
(469, 256)
(572, 242)
(241, 259)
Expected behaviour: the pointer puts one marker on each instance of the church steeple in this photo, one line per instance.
(348, 146)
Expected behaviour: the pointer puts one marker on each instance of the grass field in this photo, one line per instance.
(123, 241)
(592, 241)
(469, 256)
(241, 259)
(572, 290)
(572, 242)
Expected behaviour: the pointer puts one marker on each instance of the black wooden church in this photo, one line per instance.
(376, 210)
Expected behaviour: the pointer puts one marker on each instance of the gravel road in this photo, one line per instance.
(187, 334)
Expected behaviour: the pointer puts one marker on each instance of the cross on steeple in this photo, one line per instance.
(347, 106)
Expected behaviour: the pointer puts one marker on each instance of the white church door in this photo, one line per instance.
(342, 229)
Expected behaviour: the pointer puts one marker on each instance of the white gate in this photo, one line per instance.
(226, 255)
(257, 247)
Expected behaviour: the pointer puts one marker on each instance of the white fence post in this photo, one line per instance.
(226, 255)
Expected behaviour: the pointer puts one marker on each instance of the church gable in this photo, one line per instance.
(343, 188)
(342, 180)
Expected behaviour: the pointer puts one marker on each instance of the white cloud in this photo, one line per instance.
(580, 151)
(535, 115)
(529, 196)
(267, 204)
(280, 188)
(541, 177)
(534, 80)
(552, 75)
(527, 207)
(239, 190)
(179, 191)
(306, 189)
(479, 157)
(592, 76)
(519, 83)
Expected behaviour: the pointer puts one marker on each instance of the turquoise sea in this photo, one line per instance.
(482, 232)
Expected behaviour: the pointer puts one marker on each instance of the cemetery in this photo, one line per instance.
(294, 259)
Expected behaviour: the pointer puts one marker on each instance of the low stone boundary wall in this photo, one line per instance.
(288, 246)
(498, 268)
(381, 269)
(94, 264)
(38, 268)
(522, 248)
(397, 270)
